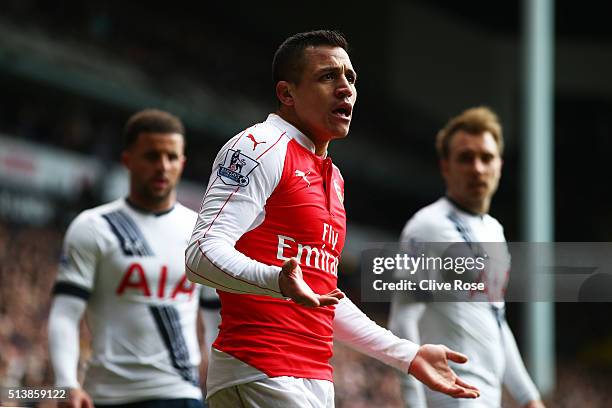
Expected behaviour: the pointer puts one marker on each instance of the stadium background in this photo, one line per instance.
(72, 72)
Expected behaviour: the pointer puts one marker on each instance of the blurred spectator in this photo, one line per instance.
(27, 270)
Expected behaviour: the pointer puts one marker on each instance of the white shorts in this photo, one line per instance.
(276, 392)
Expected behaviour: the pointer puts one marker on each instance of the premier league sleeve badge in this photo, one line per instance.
(236, 167)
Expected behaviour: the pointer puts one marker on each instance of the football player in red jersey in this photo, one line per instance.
(269, 237)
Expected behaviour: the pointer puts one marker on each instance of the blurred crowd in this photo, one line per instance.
(28, 262)
(27, 271)
(207, 42)
(76, 124)
(193, 63)
(68, 123)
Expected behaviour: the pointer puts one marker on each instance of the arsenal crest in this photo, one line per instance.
(236, 167)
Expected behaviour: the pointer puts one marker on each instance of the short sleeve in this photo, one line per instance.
(79, 258)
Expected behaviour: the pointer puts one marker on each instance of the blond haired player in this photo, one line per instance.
(470, 148)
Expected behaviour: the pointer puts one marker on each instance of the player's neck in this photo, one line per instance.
(480, 208)
(156, 207)
(291, 117)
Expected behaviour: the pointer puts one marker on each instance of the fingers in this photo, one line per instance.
(293, 263)
(337, 293)
(457, 391)
(308, 300)
(290, 280)
(290, 266)
(462, 383)
(292, 285)
(460, 389)
(463, 393)
(328, 301)
(455, 356)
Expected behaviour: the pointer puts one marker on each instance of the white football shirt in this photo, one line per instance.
(142, 309)
(478, 328)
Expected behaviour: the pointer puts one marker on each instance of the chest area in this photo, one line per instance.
(485, 242)
(143, 259)
(309, 199)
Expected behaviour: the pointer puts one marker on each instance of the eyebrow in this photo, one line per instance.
(334, 68)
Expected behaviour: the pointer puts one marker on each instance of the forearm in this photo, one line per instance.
(210, 308)
(516, 378)
(64, 321)
(403, 322)
(354, 328)
(215, 263)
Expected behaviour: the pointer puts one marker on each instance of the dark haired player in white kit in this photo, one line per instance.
(269, 236)
(123, 263)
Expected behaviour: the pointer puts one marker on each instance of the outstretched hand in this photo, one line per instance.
(292, 285)
(430, 366)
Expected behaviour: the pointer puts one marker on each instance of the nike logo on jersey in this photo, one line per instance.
(255, 142)
(300, 173)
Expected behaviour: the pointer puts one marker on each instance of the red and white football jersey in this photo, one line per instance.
(270, 198)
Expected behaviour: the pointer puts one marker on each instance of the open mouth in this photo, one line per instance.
(344, 110)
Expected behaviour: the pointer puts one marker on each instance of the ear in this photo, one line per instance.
(443, 163)
(283, 93)
(125, 159)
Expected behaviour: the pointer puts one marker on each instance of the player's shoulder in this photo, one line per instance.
(262, 138)
(430, 223)
(494, 224)
(257, 152)
(338, 172)
(93, 216)
(271, 130)
(262, 146)
(432, 215)
(90, 223)
(185, 213)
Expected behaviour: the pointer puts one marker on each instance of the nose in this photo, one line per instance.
(163, 163)
(478, 166)
(344, 88)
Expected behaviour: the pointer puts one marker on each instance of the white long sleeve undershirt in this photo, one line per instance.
(358, 331)
(64, 320)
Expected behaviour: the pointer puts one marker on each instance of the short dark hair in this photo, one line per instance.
(150, 121)
(288, 61)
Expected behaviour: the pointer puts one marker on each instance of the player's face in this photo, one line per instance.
(324, 97)
(155, 162)
(472, 170)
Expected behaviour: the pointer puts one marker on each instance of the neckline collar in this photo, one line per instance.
(463, 209)
(293, 133)
(141, 210)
